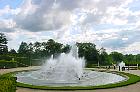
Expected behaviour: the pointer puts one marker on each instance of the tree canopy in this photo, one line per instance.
(3, 44)
(43, 50)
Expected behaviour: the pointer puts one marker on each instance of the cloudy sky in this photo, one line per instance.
(112, 24)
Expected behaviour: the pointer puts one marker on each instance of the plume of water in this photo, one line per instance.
(65, 68)
(121, 64)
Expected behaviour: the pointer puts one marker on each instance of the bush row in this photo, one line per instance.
(134, 63)
(8, 64)
(5, 57)
(20, 62)
(7, 83)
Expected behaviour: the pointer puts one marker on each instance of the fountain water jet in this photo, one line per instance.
(69, 68)
(121, 65)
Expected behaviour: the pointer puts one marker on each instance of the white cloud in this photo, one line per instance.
(7, 25)
(132, 48)
(49, 15)
(124, 39)
(8, 10)
(5, 10)
(44, 15)
(10, 23)
(74, 20)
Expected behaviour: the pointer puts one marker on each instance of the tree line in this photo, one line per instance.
(43, 50)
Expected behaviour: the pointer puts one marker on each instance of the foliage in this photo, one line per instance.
(22, 61)
(104, 57)
(12, 51)
(66, 48)
(132, 63)
(7, 83)
(35, 53)
(116, 56)
(5, 57)
(23, 49)
(3, 44)
(89, 52)
(8, 64)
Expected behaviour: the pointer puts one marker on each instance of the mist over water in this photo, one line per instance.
(66, 67)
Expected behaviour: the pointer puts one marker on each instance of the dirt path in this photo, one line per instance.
(130, 88)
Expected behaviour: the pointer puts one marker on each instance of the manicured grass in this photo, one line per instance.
(132, 79)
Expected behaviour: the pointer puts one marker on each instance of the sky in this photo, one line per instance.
(112, 24)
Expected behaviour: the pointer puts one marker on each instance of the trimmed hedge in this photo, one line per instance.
(8, 64)
(5, 57)
(22, 61)
(132, 79)
(7, 83)
(134, 63)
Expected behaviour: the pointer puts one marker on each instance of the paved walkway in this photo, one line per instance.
(3, 71)
(129, 88)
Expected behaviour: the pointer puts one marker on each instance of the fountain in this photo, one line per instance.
(68, 67)
(121, 65)
(67, 70)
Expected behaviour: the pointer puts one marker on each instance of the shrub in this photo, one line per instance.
(7, 83)
(22, 61)
(134, 63)
(7, 64)
(5, 57)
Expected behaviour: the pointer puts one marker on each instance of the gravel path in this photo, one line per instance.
(130, 88)
(3, 71)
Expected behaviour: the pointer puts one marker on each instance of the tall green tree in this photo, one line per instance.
(89, 52)
(37, 49)
(103, 57)
(66, 48)
(117, 57)
(12, 51)
(54, 48)
(46, 49)
(129, 57)
(30, 48)
(138, 57)
(23, 49)
(3, 44)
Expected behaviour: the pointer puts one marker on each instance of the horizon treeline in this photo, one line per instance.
(43, 50)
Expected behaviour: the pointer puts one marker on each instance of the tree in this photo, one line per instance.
(37, 46)
(66, 48)
(53, 48)
(30, 48)
(117, 57)
(138, 57)
(103, 57)
(3, 44)
(12, 51)
(23, 49)
(3, 39)
(129, 57)
(46, 49)
(89, 52)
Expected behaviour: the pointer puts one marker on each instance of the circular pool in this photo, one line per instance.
(89, 78)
